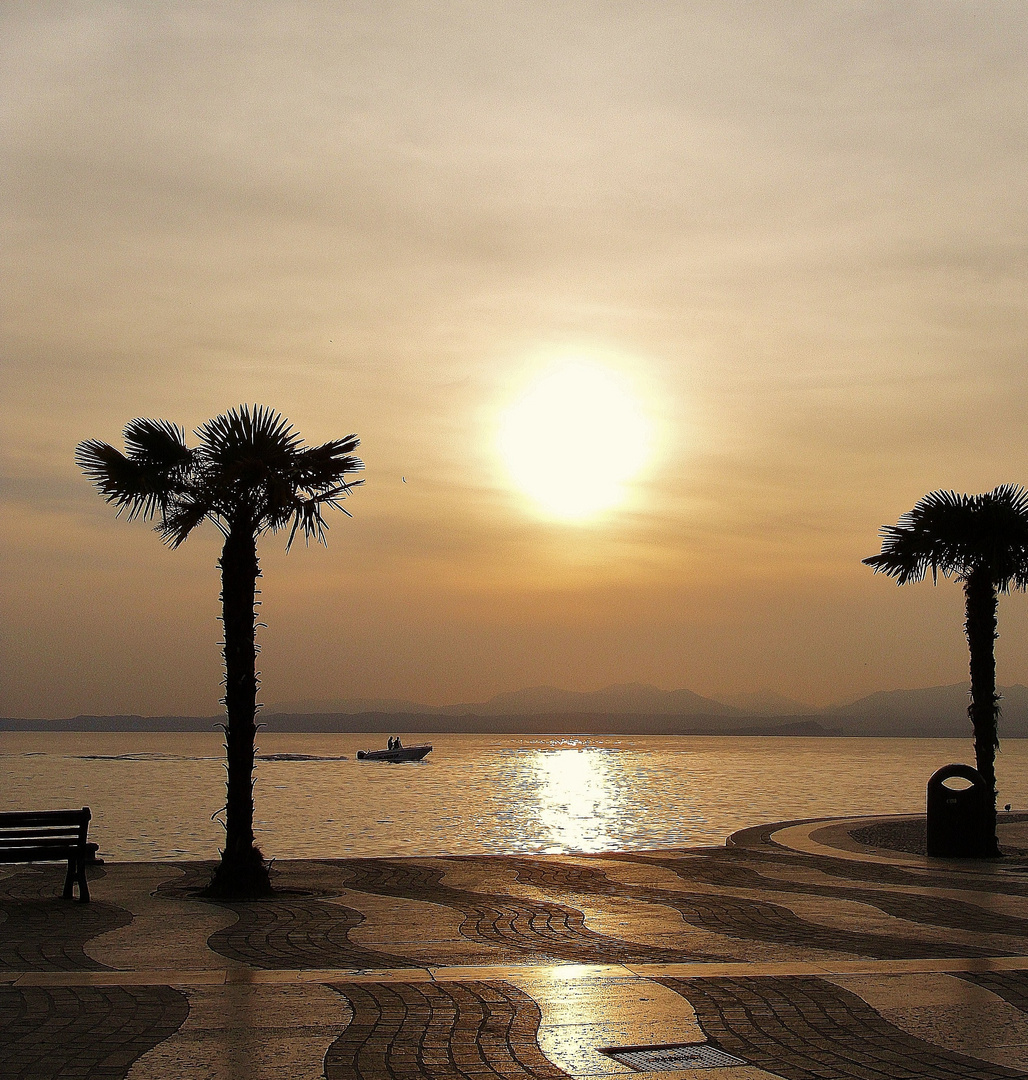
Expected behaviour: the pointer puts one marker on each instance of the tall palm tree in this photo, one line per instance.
(981, 541)
(250, 474)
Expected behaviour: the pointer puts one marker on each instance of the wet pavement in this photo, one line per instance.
(795, 952)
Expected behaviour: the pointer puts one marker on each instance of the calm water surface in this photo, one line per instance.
(153, 795)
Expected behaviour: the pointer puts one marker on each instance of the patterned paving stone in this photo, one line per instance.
(298, 931)
(1011, 986)
(438, 1031)
(933, 910)
(638, 928)
(308, 932)
(879, 873)
(89, 1032)
(522, 930)
(411, 927)
(302, 933)
(947, 1011)
(582, 1014)
(42, 932)
(307, 876)
(518, 911)
(171, 933)
(242, 1031)
(742, 918)
(978, 899)
(804, 1028)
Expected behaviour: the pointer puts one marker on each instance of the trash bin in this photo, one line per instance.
(958, 817)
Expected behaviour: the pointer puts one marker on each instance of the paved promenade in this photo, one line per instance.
(799, 951)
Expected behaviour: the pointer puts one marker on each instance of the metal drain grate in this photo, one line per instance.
(669, 1058)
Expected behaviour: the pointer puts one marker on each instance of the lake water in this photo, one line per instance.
(152, 795)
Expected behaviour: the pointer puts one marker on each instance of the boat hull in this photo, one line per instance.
(405, 753)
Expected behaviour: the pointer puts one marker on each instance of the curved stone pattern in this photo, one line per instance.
(301, 934)
(195, 875)
(311, 877)
(803, 1027)
(87, 1031)
(438, 1031)
(250, 1031)
(526, 930)
(1011, 986)
(752, 920)
(284, 933)
(42, 932)
(880, 873)
(926, 910)
(543, 874)
(166, 932)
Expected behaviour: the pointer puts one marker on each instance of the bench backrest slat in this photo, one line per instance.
(55, 849)
(41, 830)
(40, 839)
(10, 818)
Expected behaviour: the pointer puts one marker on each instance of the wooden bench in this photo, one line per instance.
(50, 836)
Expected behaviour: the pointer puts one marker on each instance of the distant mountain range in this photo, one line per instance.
(627, 708)
(766, 703)
(941, 710)
(935, 711)
(619, 700)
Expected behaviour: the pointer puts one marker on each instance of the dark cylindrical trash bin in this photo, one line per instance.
(958, 819)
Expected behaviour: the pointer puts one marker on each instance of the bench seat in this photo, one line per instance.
(50, 836)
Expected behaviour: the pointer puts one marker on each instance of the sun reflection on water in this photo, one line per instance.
(580, 798)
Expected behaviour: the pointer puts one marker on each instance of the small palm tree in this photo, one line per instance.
(250, 474)
(981, 541)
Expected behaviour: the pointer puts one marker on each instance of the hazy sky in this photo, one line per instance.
(793, 233)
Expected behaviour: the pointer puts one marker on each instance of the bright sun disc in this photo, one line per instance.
(574, 439)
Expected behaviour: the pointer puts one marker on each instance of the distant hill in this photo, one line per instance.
(314, 706)
(793, 726)
(116, 723)
(937, 711)
(627, 709)
(618, 700)
(767, 703)
(381, 723)
(549, 724)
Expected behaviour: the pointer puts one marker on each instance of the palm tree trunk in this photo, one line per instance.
(982, 602)
(242, 872)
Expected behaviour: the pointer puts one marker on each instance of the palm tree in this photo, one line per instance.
(981, 541)
(250, 474)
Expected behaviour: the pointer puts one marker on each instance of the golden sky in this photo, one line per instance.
(792, 233)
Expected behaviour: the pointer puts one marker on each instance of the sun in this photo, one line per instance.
(574, 439)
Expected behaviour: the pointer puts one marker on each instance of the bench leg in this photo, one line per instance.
(69, 880)
(76, 872)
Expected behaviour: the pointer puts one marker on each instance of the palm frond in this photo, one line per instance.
(181, 519)
(122, 482)
(1002, 520)
(258, 436)
(957, 535)
(308, 517)
(156, 443)
(279, 501)
(319, 467)
(309, 513)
